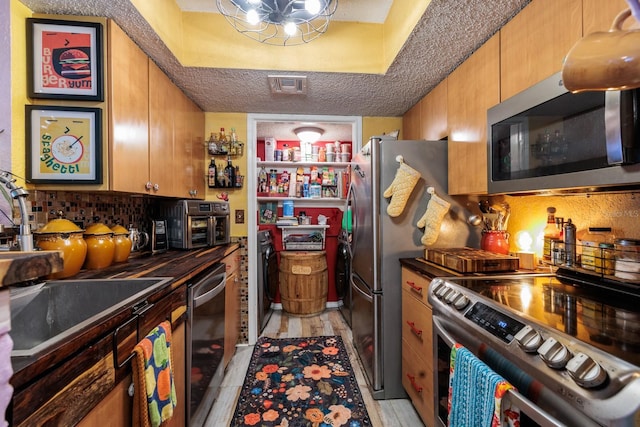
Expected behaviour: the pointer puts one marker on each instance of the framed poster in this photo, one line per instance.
(64, 59)
(64, 145)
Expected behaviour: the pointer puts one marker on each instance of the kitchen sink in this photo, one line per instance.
(46, 314)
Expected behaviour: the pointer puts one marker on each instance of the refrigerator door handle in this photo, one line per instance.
(365, 295)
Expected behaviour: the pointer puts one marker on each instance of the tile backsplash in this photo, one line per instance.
(87, 208)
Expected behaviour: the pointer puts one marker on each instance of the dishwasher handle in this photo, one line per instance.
(209, 286)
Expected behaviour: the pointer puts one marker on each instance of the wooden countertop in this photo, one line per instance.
(17, 267)
(180, 265)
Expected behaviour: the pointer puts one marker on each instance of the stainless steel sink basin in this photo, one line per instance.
(44, 315)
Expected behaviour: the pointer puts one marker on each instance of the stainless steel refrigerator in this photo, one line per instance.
(379, 241)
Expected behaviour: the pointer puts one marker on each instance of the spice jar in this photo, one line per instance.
(627, 265)
(590, 242)
(604, 261)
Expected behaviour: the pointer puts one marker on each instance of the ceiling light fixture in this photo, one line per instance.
(279, 22)
(309, 134)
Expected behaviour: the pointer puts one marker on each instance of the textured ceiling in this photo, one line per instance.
(448, 32)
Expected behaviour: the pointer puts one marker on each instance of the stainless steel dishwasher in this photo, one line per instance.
(205, 342)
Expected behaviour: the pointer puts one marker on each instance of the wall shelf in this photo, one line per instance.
(308, 202)
(301, 164)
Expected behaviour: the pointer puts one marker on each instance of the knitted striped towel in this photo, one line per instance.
(475, 393)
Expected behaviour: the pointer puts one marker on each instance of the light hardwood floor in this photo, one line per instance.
(383, 413)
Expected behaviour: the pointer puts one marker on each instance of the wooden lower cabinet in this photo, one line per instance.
(116, 409)
(417, 380)
(417, 344)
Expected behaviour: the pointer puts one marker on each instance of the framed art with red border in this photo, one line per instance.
(64, 59)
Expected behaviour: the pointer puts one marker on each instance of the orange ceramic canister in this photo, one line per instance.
(100, 246)
(122, 242)
(63, 235)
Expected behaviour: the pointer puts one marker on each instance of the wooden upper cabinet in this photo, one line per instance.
(599, 15)
(433, 114)
(535, 42)
(428, 118)
(472, 88)
(411, 123)
(181, 144)
(153, 125)
(162, 102)
(128, 113)
(196, 135)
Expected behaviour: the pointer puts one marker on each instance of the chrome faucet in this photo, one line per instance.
(25, 238)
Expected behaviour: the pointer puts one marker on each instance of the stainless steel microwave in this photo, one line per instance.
(196, 223)
(547, 139)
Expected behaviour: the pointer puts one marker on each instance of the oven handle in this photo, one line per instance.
(528, 407)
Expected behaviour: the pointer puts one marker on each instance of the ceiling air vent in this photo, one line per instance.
(289, 85)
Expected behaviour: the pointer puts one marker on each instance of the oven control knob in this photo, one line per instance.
(554, 354)
(443, 291)
(451, 297)
(585, 371)
(436, 284)
(528, 339)
(461, 302)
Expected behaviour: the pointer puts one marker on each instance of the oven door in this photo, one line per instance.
(218, 228)
(549, 410)
(197, 232)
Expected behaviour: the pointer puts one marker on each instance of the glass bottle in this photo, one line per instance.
(211, 181)
(223, 142)
(551, 233)
(213, 144)
(221, 177)
(262, 181)
(273, 181)
(229, 174)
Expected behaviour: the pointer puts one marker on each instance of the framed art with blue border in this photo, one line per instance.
(64, 144)
(64, 59)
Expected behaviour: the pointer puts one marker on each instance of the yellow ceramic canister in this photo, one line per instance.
(63, 235)
(100, 246)
(122, 242)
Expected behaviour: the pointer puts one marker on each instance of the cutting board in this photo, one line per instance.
(16, 267)
(470, 260)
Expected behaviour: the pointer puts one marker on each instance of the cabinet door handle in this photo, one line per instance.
(415, 287)
(415, 386)
(417, 332)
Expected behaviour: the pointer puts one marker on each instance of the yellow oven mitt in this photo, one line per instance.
(432, 218)
(401, 188)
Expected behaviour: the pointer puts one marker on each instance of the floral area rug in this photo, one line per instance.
(300, 382)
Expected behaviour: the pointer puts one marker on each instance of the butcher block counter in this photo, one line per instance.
(64, 384)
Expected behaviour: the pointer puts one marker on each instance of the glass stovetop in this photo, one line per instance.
(604, 318)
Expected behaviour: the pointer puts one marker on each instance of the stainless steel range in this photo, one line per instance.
(571, 347)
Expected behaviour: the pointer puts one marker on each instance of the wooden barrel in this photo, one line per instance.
(303, 282)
